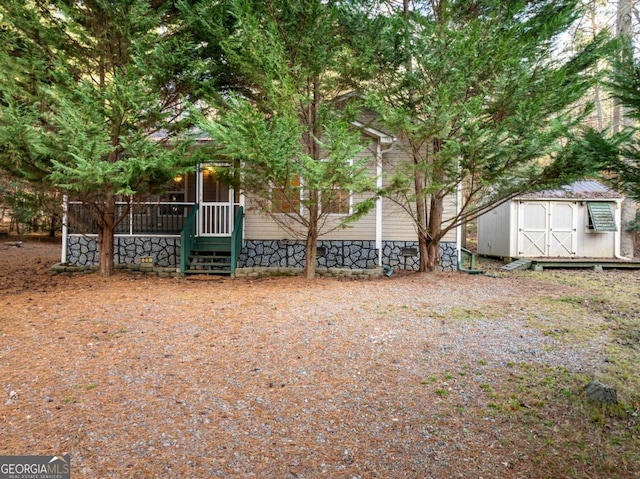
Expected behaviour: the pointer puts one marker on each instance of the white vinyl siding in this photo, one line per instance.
(261, 226)
(397, 223)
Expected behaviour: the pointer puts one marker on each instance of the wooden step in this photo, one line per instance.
(212, 244)
(210, 260)
(209, 264)
(208, 267)
(205, 271)
(210, 256)
(519, 264)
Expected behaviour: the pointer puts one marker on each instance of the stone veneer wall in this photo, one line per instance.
(83, 251)
(338, 254)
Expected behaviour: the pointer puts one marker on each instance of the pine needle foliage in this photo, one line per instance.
(285, 127)
(486, 98)
(90, 97)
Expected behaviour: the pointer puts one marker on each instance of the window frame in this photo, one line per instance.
(349, 198)
(348, 203)
(283, 200)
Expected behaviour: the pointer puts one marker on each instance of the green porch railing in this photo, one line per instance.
(236, 240)
(187, 238)
(472, 257)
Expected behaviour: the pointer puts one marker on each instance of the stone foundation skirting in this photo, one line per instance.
(165, 251)
(340, 254)
(360, 255)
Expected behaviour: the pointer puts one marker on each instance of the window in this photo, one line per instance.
(336, 202)
(600, 218)
(287, 199)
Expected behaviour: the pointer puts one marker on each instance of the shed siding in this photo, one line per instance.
(493, 229)
(597, 245)
(592, 244)
(499, 233)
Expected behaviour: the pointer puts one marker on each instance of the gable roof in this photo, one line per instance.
(384, 138)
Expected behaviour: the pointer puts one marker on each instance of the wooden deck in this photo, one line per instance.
(597, 264)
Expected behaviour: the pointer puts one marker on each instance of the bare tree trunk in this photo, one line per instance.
(106, 229)
(627, 238)
(421, 212)
(312, 237)
(436, 211)
(53, 225)
(620, 119)
(596, 89)
(314, 197)
(435, 232)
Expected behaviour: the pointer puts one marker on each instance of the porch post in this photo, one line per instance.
(379, 203)
(65, 230)
(244, 223)
(199, 196)
(131, 215)
(460, 226)
(232, 209)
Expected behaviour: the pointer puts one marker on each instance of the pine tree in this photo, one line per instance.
(625, 85)
(283, 125)
(83, 87)
(622, 118)
(485, 97)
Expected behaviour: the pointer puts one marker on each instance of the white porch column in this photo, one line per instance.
(379, 204)
(460, 226)
(65, 231)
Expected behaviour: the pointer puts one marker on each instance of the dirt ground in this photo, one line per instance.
(453, 375)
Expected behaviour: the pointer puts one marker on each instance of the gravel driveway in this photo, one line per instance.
(283, 378)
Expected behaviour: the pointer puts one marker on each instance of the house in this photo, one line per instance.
(580, 220)
(202, 225)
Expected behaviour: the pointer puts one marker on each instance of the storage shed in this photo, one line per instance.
(581, 220)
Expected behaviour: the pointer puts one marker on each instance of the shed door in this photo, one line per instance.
(547, 229)
(533, 228)
(562, 229)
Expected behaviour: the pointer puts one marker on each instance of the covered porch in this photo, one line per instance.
(168, 229)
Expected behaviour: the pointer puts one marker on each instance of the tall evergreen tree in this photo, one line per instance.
(485, 97)
(626, 119)
(625, 85)
(83, 87)
(283, 124)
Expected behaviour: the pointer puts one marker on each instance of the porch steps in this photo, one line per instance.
(517, 265)
(210, 256)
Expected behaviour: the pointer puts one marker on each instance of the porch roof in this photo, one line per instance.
(384, 138)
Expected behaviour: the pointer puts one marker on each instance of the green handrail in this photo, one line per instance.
(465, 253)
(187, 238)
(236, 240)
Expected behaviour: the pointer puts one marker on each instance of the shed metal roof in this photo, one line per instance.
(584, 189)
